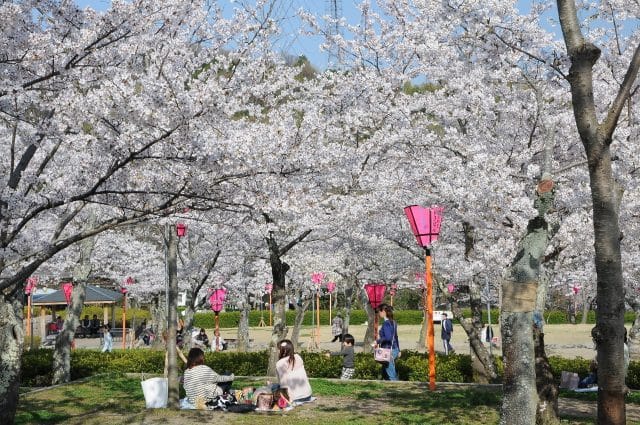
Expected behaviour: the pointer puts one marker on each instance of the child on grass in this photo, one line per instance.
(348, 363)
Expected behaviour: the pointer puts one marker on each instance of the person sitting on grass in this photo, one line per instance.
(348, 363)
(291, 373)
(200, 381)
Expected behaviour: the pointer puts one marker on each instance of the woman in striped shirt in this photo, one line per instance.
(200, 380)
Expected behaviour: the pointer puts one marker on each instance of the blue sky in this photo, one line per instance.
(291, 41)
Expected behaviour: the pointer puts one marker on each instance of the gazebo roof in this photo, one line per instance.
(94, 295)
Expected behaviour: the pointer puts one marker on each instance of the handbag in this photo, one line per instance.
(382, 355)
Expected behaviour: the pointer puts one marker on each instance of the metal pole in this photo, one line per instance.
(430, 332)
(318, 315)
(124, 322)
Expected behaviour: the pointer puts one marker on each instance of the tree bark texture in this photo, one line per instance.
(243, 328)
(171, 239)
(297, 324)
(369, 336)
(547, 413)
(11, 341)
(596, 138)
(519, 402)
(62, 350)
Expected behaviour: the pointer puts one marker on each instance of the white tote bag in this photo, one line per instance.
(156, 392)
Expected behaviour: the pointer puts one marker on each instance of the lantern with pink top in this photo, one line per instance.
(375, 294)
(29, 289)
(67, 288)
(425, 224)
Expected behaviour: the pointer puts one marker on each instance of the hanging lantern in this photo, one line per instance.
(331, 286)
(181, 230)
(32, 282)
(317, 277)
(268, 287)
(216, 300)
(67, 288)
(375, 293)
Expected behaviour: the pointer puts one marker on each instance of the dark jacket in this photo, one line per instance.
(348, 356)
(447, 329)
(388, 336)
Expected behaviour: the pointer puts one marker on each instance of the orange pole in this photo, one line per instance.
(429, 310)
(29, 315)
(218, 328)
(269, 308)
(391, 300)
(318, 317)
(124, 321)
(375, 326)
(329, 308)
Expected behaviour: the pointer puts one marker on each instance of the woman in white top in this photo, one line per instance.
(200, 380)
(291, 373)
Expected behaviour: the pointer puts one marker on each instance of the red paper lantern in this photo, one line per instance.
(67, 288)
(375, 293)
(181, 229)
(216, 300)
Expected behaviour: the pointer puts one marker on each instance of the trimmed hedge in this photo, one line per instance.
(230, 319)
(411, 366)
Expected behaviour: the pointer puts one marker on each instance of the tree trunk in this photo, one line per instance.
(369, 337)
(243, 328)
(172, 316)
(189, 314)
(62, 351)
(585, 309)
(596, 138)
(519, 402)
(297, 324)
(348, 298)
(485, 361)
(159, 318)
(11, 341)
(278, 270)
(547, 413)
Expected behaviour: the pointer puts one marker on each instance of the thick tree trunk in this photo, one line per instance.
(519, 402)
(279, 270)
(297, 324)
(243, 328)
(62, 351)
(159, 318)
(369, 336)
(547, 413)
(348, 298)
(11, 341)
(596, 138)
(172, 317)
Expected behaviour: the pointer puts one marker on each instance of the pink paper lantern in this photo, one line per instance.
(268, 287)
(576, 289)
(375, 293)
(32, 282)
(425, 223)
(67, 288)
(216, 300)
(331, 286)
(317, 277)
(451, 288)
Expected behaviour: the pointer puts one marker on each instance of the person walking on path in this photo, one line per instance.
(336, 328)
(447, 330)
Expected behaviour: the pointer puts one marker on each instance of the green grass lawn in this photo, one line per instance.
(117, 399)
